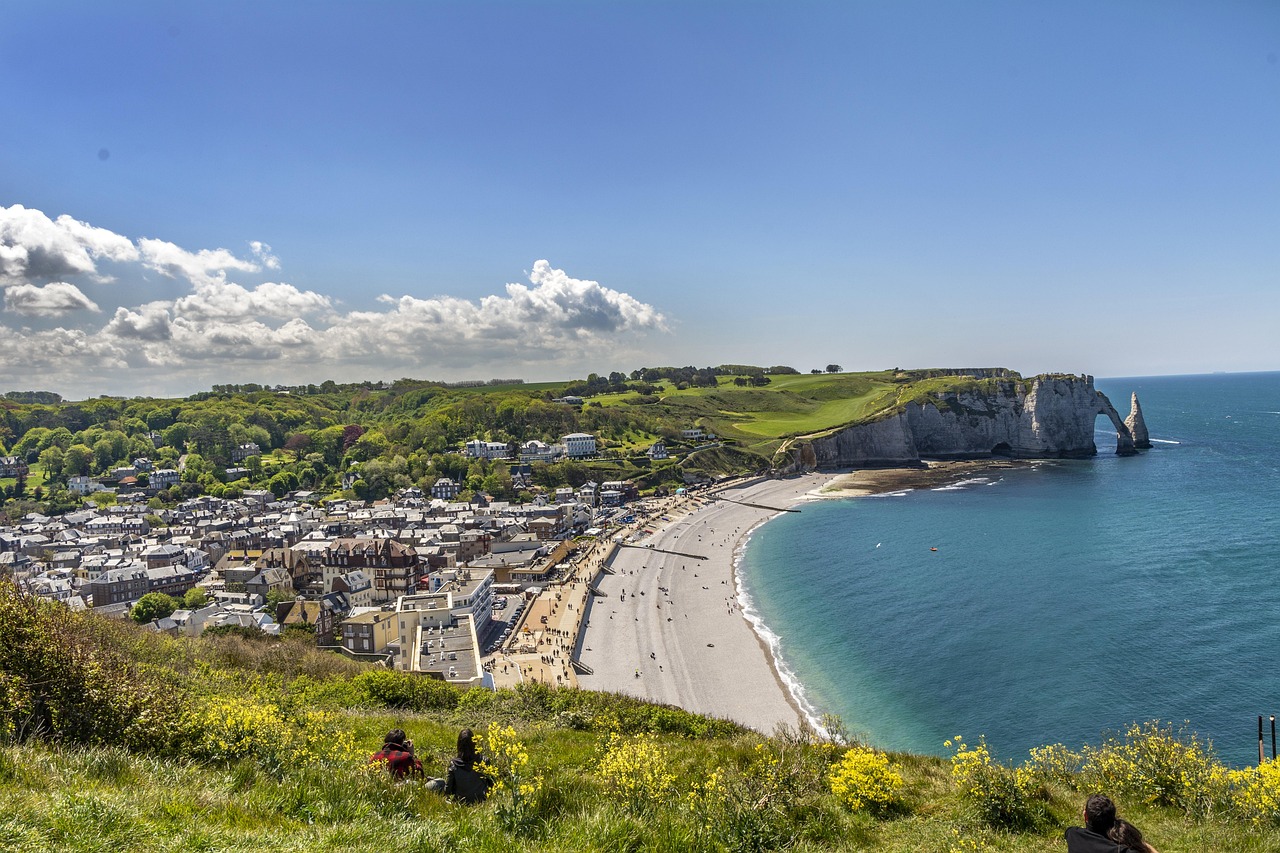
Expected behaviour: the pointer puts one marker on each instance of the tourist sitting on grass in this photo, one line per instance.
(397, 753)
(1099, 820)
(463, 780)
(1126, 834)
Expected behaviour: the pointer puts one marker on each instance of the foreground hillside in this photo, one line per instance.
(116, 739)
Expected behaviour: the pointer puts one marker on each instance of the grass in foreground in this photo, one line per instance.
(116, 739)
(107, 798)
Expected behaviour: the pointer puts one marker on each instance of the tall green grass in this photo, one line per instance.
(251, 744)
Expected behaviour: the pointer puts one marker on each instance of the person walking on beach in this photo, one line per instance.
(1099, 820)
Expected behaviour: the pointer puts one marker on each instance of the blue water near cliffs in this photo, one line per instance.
(1064, 600)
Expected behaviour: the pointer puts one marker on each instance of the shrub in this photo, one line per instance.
(749, 810)
(637, 769)
(1055, 764)
(515, 786)
(1001, 797)
(226, 729)
(1256, 793)
(864, 778)
(394, 689)
(1159, 765)
(63, 682)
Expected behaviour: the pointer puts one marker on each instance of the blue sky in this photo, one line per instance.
(289, 192)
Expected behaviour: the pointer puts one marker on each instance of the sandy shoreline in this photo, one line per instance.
(670, 627)
(671, 613)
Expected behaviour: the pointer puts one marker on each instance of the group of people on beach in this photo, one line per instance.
(1103, 832)
(464, 780)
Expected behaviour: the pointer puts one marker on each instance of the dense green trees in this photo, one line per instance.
(399, 434)
(152, 606)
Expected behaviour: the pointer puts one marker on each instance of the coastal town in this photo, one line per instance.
(478, 593)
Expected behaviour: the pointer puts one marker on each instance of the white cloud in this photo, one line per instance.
(151, 322)
(262, 252)
(559, 319)
(203, 266)
(35, 248)
(228, 301)
(185, 342)
(51, 300)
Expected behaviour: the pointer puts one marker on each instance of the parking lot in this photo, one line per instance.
(504, 618)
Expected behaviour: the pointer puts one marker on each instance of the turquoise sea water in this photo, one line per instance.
(1064, 600)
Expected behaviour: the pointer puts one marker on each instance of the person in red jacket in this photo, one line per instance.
(397, 754)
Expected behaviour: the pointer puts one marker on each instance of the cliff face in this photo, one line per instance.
(1137, 425)
(1053, 419)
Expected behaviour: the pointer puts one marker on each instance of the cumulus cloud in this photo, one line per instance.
(573, 303)
(218, 300)
(200, 267)
(151, 322)
(555, 318)
(262, 252)
(35, 248)
(183, 343)
(51, 300)
(559, 317)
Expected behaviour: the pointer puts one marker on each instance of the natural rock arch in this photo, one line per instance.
(1124, 439)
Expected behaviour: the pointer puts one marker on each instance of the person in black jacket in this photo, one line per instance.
(1099, 819)
(463, 780)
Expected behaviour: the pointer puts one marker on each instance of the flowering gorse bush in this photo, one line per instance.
(1159, 765)
(515, 786)
(637, 769)
(864, 778)
(1055, 764)
(227, 729)
(1256, 793)
(1002, 797)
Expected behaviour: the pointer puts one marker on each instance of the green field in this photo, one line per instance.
(789, 406)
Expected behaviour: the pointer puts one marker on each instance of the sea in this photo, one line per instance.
(1053, 603)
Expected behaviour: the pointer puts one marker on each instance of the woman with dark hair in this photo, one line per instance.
(463, 781)
(1127, 835)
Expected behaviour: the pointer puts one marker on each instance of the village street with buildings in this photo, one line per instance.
(479, 593)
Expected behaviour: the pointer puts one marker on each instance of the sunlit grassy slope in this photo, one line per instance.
(115, 739)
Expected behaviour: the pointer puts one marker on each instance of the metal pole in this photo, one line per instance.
(1261, 757)
(1273, 737)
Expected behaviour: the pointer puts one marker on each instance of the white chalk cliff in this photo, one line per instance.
(1137, 425)
(1045, 417)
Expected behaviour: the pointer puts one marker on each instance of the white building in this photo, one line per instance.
(434, 638)
(82, 485)
(578, 445)
(538, 451)
(481, 449)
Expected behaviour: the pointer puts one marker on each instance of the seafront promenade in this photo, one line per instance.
(543, 643)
